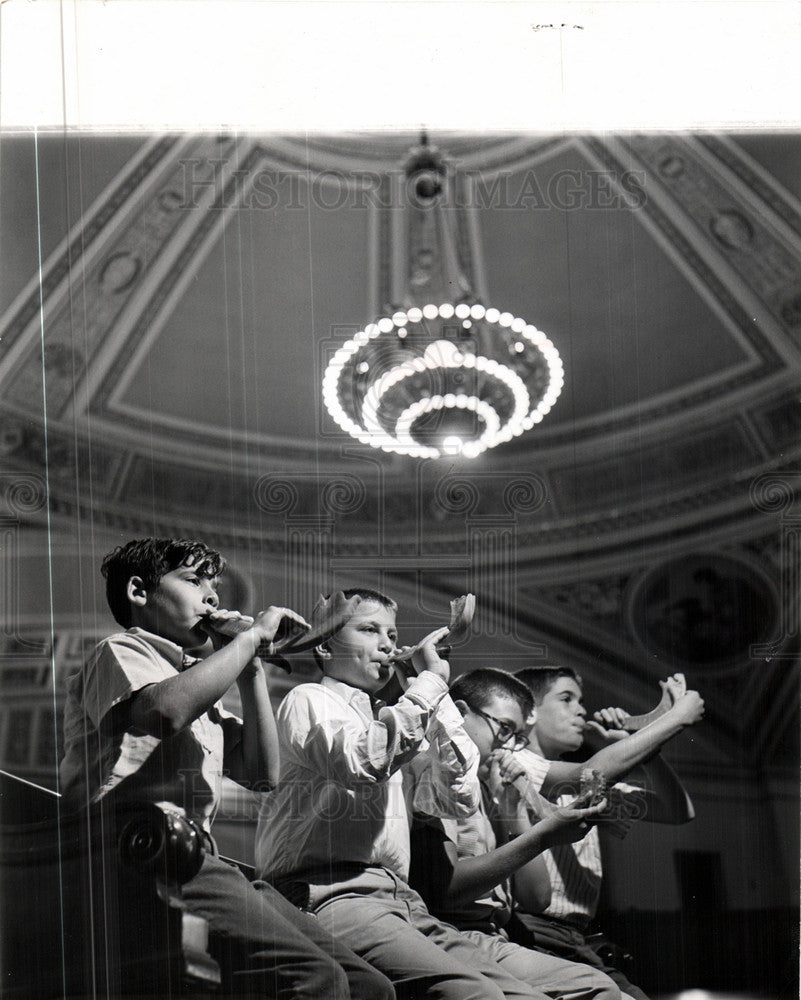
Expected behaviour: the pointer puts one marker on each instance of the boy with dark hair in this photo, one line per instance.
(558, 727)
(478, 687)
(143, 722)
(461, 867)
(539, 680)
(623, 751)
(335, 835)
(558, 893)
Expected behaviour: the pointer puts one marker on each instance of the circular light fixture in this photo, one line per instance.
(453, 378)
(408, 384)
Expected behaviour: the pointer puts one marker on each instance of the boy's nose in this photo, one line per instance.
(212, 599)
(386, 643)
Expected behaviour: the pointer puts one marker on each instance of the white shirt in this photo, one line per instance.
(340, 800)
(576, 870)
(183, 772)
(473, 837)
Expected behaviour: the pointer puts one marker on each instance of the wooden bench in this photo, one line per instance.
(90, 902)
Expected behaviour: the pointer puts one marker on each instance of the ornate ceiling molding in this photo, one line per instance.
(666, 467)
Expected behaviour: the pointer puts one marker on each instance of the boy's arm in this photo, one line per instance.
(328, 737)
(445, 775)
(531, 886)
(664, 798)
(165, 708)
(254, 759)
(617, 759)
(352, 752)
(473, 878)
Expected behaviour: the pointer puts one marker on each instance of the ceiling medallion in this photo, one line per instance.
(440, 374)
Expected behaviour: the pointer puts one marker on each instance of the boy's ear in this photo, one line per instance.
(532, 718)
(323, 651)
(462, 706)
(135, 591)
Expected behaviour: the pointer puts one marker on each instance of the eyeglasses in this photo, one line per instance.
(505, 731)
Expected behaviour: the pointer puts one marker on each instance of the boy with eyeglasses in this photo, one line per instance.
(459, 867)
(334, 837)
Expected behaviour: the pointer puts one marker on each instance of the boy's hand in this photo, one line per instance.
(274, 621)
(424, 657)
(567, 824)
(510, 781)
(611, 718)
(507, 797)
(235, 622)
(675, 686)
(506, 764)
(427, 657)
(609, 724)
(689, 708)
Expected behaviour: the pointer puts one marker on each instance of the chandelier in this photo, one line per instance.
(441, 372)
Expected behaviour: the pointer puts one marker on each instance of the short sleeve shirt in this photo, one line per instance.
(183, 771)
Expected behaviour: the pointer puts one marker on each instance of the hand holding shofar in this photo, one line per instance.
(292, 638)
(462, 611)
(636, 722)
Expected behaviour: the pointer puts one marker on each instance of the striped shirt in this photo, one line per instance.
(575, 870)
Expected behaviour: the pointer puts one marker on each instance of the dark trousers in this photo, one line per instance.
(269, 948)
(557, 938)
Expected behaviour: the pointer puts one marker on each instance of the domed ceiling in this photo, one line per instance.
(165, 374)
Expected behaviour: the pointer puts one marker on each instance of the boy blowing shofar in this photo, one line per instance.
(466, 869)
(143, 722)
(461, 866)
(562, 886)
(334, 836)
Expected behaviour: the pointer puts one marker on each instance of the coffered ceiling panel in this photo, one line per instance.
(249, 325)
(572, 252)
(45, 189)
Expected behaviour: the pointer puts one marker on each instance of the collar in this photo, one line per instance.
(170, 650)
(360, 700)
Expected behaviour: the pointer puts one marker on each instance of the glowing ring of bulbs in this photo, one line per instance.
(408, 369)
(372, 433)
(470, 448)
